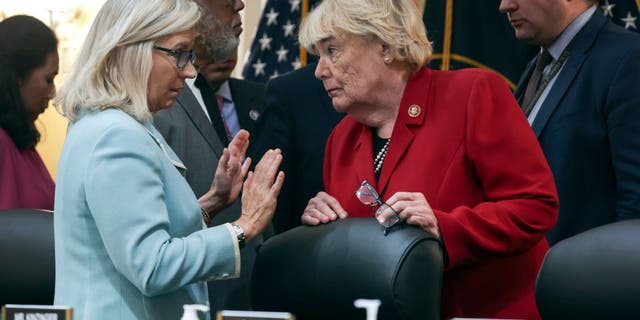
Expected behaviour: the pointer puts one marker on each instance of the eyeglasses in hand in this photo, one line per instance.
(182, 56)
(384, 213)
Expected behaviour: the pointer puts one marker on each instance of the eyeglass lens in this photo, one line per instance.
(182, 57)
(367, 195)
(185, 57)
(385, 214)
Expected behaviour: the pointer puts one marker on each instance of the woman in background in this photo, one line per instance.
(28, 65)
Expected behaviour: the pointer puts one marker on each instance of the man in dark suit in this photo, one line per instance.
(584, 106)
(298, 118)
(207, 113)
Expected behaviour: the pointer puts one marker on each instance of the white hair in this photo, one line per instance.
(398, 23)
(114, 64)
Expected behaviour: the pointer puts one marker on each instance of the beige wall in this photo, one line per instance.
(71, 19)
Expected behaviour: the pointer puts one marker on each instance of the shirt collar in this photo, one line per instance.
(570, 32)
(225, 91)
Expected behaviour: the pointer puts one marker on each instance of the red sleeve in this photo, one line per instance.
(520, 203)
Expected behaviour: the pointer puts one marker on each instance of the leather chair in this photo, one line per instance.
(27, 271)
(317, 272)
(593, 275)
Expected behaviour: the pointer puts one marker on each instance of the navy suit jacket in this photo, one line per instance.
(298, 118)
(589, 128)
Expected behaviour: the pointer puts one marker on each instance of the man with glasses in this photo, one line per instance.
(209, 111)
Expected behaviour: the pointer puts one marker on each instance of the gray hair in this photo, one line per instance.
(218, 40)
(114, 64)
(398, 23)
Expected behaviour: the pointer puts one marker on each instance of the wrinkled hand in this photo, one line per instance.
(413, 208)
(231, 170)
(322, 208)
(260, 194)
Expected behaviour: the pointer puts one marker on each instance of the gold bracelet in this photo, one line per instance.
(205, 216)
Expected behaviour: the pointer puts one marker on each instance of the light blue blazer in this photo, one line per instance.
(129, 236)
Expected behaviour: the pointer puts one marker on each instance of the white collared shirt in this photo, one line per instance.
(228, 108)
(555, 50)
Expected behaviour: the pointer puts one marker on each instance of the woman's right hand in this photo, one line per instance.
(322, 208)
(260, 194)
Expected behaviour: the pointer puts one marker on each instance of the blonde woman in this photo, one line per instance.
(131, 242)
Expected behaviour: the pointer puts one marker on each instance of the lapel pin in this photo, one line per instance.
(414, 110)
(254, 114)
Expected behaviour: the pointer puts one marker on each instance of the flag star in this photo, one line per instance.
(272, 17)
(274, 75)
(259, 67)
(295, 5)
(265, 42)
(608, 8)
(282, 54)
(296, 64)
(288, 28)
(629, 21)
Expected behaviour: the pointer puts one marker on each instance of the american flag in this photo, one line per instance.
(622, 12)
(275, 48)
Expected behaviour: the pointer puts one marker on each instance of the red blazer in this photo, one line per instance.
(471, 152)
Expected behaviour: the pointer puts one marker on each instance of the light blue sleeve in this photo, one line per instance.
(126, 196)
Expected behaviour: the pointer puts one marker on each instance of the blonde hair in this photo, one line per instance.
(114, 64)
(398, 23)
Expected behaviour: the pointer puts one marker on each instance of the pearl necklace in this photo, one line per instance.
(379, 159)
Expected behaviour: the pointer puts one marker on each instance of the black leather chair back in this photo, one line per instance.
(27, 268)
(593, 275)
(318, 272)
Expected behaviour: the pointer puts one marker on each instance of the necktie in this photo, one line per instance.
(211, 102)
(220, 100)
(543, 59)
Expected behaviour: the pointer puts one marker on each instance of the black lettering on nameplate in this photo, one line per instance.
(36, 312)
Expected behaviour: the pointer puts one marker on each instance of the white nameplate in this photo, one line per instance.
(36, 312)
(253, 315)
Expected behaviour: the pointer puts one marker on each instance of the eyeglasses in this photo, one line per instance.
(385, 214)
(182, 57)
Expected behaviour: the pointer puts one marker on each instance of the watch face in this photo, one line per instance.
(239, 234)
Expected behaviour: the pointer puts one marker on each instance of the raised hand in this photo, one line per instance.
(260, 194)
(231, 170)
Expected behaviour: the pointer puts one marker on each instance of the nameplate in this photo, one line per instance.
(253, 315)
(36, 312)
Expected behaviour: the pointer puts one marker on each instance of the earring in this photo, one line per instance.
(387, 60)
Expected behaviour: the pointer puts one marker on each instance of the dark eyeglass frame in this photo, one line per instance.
(365, 191)
(178, 54)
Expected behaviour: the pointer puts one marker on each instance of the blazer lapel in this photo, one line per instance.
(246, 101)
(363, 155)
(581, 45)
(188, 102)
(412, 112)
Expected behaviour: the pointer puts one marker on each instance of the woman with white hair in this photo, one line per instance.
(448, 152)
(131, 242)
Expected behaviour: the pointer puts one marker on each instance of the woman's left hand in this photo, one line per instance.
(413, 208)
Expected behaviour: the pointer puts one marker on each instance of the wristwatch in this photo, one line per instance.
(239, 234)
